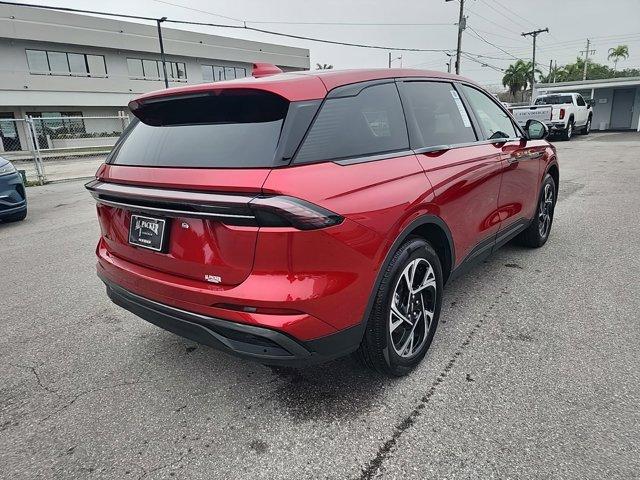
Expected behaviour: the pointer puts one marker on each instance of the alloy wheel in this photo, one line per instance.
(413, 305)
(545, 210)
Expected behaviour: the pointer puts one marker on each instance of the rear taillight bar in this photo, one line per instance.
(561, 113)
(231, 209)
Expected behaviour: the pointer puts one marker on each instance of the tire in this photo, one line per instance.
(391, 353)
(537, 233)
(568, 132)
(587, 127)
(15, 217)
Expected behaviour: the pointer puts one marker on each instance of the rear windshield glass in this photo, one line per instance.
(229, 129)
(554, 100)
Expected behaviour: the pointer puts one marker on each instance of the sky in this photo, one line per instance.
(494, 28)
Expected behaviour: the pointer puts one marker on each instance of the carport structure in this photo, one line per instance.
(616, 101)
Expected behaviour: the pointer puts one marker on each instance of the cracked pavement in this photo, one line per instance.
(533, 373)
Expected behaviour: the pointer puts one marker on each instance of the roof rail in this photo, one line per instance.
(264, 69)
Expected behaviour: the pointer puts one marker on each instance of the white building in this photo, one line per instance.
(58, 64)
(616, 101)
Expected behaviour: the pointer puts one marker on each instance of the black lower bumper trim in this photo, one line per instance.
(262, 344)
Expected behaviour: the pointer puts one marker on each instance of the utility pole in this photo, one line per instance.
(462, 24)
(534, 34)
(389, 59)
(555, 70)
(586, 52)
(164, 60)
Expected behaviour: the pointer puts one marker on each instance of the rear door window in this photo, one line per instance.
(495, 121)
(439, 114)
(230, 129)
(371, 122)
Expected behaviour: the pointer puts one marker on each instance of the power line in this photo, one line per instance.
(289, 22)
(502, 14)
(237, 27)
(200, 11)
(484, 64)
(480, 37)
(513, 13)
(501, 26)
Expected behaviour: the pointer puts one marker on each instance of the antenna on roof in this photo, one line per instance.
(264, 69)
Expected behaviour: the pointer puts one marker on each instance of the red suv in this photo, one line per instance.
(298, 217)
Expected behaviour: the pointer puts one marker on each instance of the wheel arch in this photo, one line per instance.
(433, 229)
(554, 171)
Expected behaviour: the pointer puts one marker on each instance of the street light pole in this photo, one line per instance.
(450, 55)
(164, 60)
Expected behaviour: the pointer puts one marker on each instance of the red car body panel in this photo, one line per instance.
(299, 282)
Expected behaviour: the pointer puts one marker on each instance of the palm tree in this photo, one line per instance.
(323, 66)
(518, 77)
(514, 78)
(617, 53)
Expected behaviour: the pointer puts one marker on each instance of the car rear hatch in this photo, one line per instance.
(175, 194)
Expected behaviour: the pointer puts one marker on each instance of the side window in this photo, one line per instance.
(580, 101)
(495, 122)
(439, 114)
(369, 123)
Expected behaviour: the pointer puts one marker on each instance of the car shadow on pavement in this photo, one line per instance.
(339, 389)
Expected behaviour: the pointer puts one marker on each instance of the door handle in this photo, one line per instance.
(510, 157)
(515, 157)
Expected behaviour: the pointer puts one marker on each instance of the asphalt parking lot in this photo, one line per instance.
(534, 371)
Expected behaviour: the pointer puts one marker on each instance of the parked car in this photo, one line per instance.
(299, 217)
(563, 113)
(13, 195)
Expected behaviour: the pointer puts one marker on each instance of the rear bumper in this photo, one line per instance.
(247, 341)
(556, 126)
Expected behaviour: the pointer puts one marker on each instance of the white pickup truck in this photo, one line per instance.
(563, 113)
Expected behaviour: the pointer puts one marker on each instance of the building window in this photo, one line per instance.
(58, 63)
(215, 73)
(44, 62)
(135, 68)
(77, 64)
(37, 60)
(96, 65)
(144, 69)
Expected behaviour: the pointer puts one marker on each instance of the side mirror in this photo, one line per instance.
(536, 130)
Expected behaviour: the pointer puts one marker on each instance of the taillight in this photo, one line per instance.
(561, 113)
(283, 211)
(231, 209)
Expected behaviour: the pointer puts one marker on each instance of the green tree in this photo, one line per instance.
(618, 53)
(517, 77)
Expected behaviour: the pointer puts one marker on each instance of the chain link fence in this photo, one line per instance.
(41, 139)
